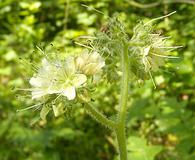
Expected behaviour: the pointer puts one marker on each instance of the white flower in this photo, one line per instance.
(89, 63)
(57, 77)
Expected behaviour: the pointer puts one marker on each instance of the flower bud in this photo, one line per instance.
(150, 54)
(89, 63)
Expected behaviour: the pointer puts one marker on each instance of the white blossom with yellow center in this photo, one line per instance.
(57, 77)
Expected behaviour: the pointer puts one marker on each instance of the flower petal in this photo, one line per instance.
(38, 93)
(69, 92)
(79, 63)
(36, 81)
(70, 65)
(79, 80)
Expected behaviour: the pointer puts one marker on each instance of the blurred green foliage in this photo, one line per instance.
(161, 122)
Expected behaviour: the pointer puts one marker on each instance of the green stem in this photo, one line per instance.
(118, 127)
(99, 117)
(120, 130)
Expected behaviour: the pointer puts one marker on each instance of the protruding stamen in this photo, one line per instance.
(24, 109)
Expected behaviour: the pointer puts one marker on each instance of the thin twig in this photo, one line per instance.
(140, 5)
(151, 5)
(92, 8)
(180, 1)
(159, 18)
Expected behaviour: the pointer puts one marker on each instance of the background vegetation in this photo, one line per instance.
(161, 122)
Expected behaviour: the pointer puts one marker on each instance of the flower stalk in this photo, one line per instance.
(99, 117)
(120, 130)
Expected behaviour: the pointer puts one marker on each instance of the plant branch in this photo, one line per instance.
(180, 1)
(120, 130)
(140, 5)
(151, 5)
(124, 85)
(99, 117)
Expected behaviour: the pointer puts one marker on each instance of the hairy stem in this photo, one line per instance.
(120, 130)
(99, 117)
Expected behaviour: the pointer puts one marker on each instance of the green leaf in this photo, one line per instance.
(140, 150)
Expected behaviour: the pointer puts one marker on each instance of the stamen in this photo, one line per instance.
(40, 50)
(174, 47)
(164, 56)
(92, 8)
(151, 74)
(83, 45)
(155, 19)
(87, 37)
(54, 101)
(24, 109)
(24, 89)
(152, 80)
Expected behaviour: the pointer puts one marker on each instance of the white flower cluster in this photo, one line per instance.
(63, 77)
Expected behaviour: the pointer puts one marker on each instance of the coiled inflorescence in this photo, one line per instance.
(150, 52)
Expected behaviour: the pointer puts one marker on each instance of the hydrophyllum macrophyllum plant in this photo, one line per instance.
(57, 82)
